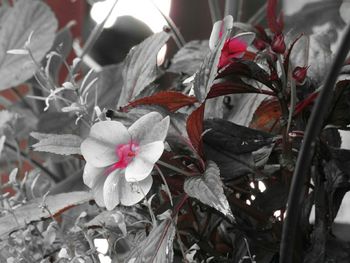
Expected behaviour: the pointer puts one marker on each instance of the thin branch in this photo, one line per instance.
(313, 129)
(258, 16)
(33, 162)
(215, 11)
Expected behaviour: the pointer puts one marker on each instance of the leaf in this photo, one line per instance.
(140, 66)
(64, 144)
(32, 211)
(190, 57)
(194, 127)
(18, 22)
(208, 71)
(209, 190)
(267, 116)
(157, 247)
(170, 100)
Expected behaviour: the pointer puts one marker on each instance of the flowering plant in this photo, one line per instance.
(228, 151)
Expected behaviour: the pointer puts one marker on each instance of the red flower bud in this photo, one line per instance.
(278, 44)
(259, 44)
(299, 74)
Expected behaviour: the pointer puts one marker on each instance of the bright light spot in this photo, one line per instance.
(261, 186)
(248, 202)
(277, 213)
(143, 10)
(252, 185)
(252, 197)
(101, 245)
(161, 55)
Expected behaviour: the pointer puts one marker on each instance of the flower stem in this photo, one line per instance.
(313, 129)
(174, 168)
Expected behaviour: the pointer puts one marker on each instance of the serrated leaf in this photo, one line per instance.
(17, 23)
(157, 247)
(189, 58)
(140, 66)
(209, 190)
(64, 144)
(32, 211)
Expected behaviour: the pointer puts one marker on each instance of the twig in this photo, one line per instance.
(306, 152)
(24, 156)
(215, 12)
(258, 16)
(177, 36)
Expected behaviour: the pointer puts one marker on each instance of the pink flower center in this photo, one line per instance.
(126, 153)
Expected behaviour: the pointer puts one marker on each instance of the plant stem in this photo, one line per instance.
(33, 162)
(258, 16)
(215, 12)
(313, 129)
(231, 8)
(174, 168)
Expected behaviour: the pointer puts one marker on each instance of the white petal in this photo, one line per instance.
(91, 173)
(132, 193)
(97, 189)
(99, 147)
(149, 128)
(111, 189)
(218, 26)
(144, 161)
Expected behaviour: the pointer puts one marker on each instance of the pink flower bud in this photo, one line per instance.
(299, 74)
(278, 44)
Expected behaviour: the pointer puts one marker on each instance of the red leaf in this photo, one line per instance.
(194, 128)
(233, 87)
(267, 116)
(304, 103)
(171, 100)
(275, 23)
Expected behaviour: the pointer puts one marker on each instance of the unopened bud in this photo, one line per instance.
(259, 44)
(299, 74)
(278, 44)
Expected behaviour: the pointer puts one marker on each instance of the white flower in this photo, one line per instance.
(119, 161)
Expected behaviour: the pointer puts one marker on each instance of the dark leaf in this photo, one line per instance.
(234, 138)
(194, 127)
(232, 87)
(170, 100)
(32, 210)
(339, 113)
(190, 57)
(140, 67)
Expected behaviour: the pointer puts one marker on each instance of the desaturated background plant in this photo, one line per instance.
(197, 170)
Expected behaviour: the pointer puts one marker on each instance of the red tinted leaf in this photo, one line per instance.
(233, 87)
(194, 128)
(170, 100)
(275, 23)
(304, 103)
(267, 116)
